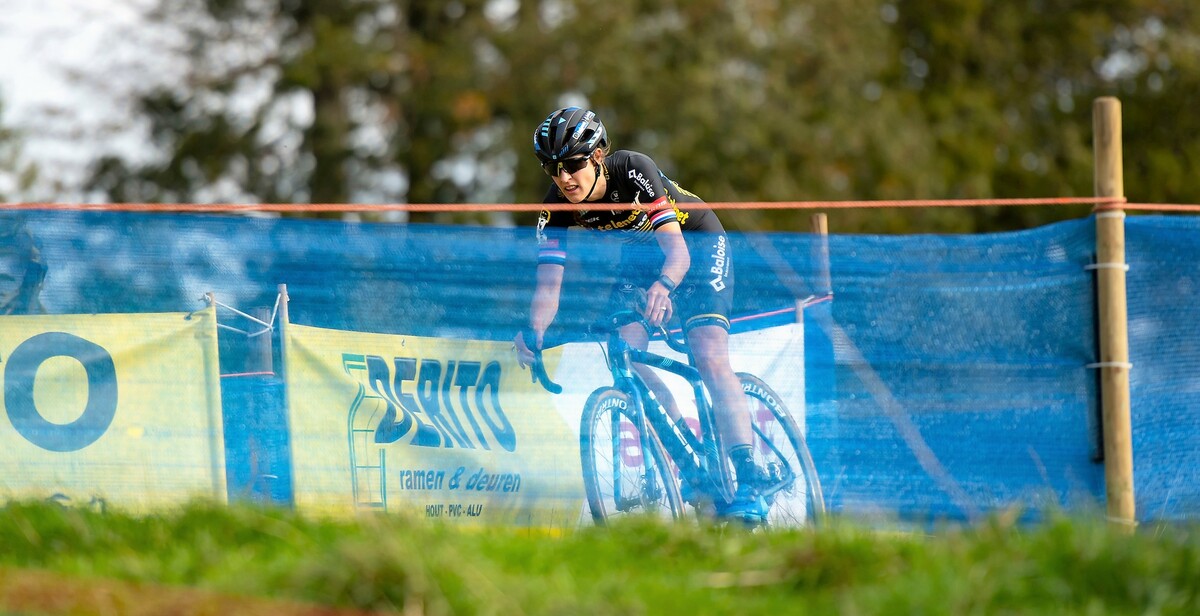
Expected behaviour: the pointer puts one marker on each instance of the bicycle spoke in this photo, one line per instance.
(792, 490)
(621, 475)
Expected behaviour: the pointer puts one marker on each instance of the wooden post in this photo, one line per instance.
(820, 223)
(1114, 336)
(820, 226)
(823, 284)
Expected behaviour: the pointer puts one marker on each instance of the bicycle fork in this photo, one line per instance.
(650, 490)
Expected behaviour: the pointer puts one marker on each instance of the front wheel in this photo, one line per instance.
(793, 489)
(624, 471)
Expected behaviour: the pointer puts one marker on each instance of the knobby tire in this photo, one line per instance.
(596, 448)
(807, 487)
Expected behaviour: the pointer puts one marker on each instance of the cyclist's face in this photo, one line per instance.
(575, 185)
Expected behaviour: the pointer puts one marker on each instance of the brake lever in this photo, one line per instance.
(538, 374)
(537, 368)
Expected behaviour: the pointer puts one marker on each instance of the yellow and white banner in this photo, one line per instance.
(446, 429)
(111, 409)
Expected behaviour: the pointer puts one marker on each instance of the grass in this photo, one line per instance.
(279, 562)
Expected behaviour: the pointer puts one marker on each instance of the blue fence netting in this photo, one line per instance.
(962, 384)
(945, 377)
(1163, 288)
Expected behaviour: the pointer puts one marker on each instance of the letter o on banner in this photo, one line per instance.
(20, 371)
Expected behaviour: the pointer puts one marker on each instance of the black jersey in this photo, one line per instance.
(646, 199)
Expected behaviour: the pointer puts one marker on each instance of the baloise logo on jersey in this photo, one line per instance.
(434, 403)
(720, 264)
(642, 182)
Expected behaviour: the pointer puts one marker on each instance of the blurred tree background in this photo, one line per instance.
(16, 174)
(377, 101)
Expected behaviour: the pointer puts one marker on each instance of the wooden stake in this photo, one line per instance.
(1114, 335)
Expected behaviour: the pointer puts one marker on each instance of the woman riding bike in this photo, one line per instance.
(690, 274)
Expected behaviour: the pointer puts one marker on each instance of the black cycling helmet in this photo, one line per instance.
(567, 133)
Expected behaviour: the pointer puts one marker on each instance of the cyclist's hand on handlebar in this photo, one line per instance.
(658, 305)
(524, 353)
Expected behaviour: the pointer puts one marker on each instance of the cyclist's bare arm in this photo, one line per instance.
(542, 310)
(658, 300)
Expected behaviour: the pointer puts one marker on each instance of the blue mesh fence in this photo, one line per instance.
(1164, 346)
(962, 384)
(946, 377)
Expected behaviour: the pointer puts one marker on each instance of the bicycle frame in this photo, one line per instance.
(701, 461)
(694, 457)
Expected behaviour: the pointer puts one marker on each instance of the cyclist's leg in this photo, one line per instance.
(629, 295)
(637, 338)
(705, 301)
(710, 347)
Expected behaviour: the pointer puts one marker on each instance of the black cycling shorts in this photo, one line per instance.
(705, 297)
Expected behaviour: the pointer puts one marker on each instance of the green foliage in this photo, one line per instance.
(1006, 89)
(638, 567)
(738, 100)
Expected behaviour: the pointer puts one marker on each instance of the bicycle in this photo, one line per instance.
(628, 442)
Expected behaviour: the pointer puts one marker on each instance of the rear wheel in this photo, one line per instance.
(622, 475)
(794, 491)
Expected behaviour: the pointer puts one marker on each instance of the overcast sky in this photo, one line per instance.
(61, 84)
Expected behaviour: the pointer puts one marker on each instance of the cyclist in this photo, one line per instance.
(688, 269)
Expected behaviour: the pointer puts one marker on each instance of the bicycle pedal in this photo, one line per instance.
(751, 521)
(746, 522)
(628, 504)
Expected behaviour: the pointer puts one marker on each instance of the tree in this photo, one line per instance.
(399, 100)
(1005, 90)
(1152, 63)
(16, 175)
(316, 101)
(257, 116)
(739, 100)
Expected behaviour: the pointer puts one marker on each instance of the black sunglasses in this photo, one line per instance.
(571, 165)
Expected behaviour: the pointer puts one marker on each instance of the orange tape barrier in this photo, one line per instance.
(1101, 203)
(1153, 207)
